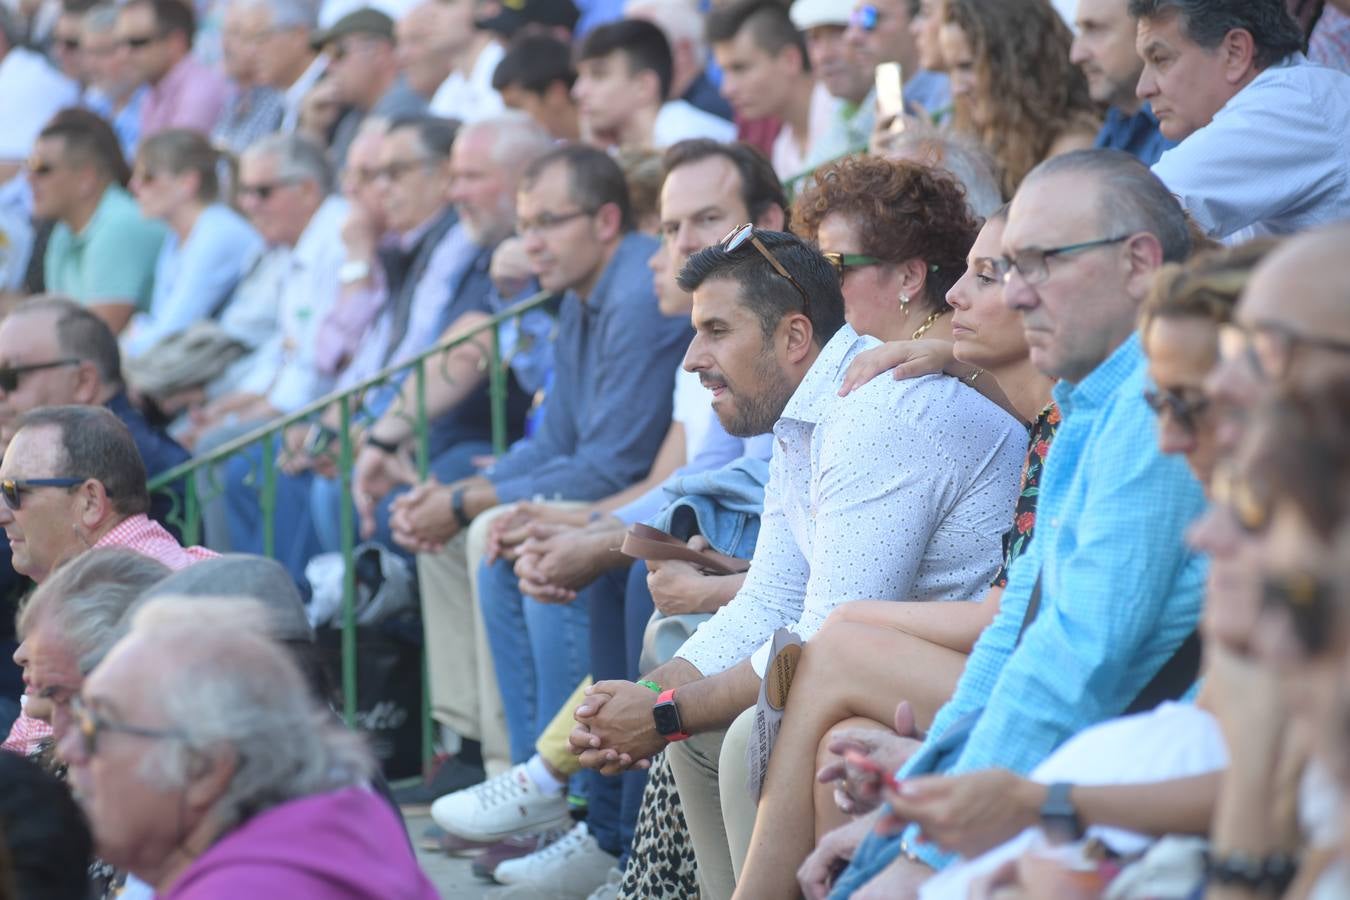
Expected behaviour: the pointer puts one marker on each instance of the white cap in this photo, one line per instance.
(808, 14)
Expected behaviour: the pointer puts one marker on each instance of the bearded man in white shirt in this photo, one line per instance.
(903, 493)
(1263, 131)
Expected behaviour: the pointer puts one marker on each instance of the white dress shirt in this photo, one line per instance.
(1274, 160)
(471, 98)
(788, 159)
(293, 290)
(900, 491)
(31, 92)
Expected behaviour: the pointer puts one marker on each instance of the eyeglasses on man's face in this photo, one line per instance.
(13, 489)
(1185, 407)
(1032, 264)
(398, 168)
(1268, 347)
(10, 376)
(745, 234)
(264, 191)
(548, 221)
(89, 724)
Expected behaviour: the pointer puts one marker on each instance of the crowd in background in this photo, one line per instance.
(926, 426)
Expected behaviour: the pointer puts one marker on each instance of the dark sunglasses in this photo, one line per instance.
(11, 489)
(1186, 409)
(1310, 604)
(744, 234)
(89, 725)
(11, 375)
(70, 45)
(263, 192)
(140, 42)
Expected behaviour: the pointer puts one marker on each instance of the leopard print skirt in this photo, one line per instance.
(661, 864)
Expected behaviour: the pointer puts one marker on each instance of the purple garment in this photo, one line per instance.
(343, 845)
(190, 95)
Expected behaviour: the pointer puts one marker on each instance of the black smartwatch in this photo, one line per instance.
(457, 506)
(666, 717)
(1059, 819)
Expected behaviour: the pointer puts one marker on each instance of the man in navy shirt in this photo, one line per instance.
(1104, 49)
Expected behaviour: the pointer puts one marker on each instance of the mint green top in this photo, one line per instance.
(112, 259)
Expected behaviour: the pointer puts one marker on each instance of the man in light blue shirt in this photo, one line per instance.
(1108, 592)
(1263, 131)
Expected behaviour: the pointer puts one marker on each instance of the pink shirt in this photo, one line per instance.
(149, 538)
(190, 95)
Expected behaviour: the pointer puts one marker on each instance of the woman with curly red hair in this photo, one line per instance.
(897, 233)
(1013, 86)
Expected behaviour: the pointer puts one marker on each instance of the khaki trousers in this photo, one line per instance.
(463, 682)
(710, 773)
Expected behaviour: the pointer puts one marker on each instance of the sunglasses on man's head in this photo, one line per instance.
(865, 18)
(10, 376)
(12, 489)
(745, 234)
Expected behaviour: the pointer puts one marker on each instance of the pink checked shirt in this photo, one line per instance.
(148, 538)
(190, 95)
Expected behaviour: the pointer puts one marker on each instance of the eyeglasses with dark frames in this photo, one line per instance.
(10, 376)
(12, 489)
(1031, 264)
(1184, 407)
(745, 234)
(89, 724)
(140, 41)
(397, 169)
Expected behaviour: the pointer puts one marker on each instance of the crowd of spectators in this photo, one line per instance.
(927, 466)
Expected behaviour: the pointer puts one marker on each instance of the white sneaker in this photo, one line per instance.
(504, 805)
(610, 889)
(570, 868)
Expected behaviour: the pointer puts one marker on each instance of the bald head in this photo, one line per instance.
(1302, 285)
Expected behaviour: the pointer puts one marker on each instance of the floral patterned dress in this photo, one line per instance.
(1018, 538)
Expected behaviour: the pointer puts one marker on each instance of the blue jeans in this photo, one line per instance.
(620, 607)
(296, 541)
(325, 496)
(541, 652)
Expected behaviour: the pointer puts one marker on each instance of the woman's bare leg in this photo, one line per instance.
(846, 670)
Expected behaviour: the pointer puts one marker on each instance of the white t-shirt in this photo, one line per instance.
(1176, 740)
(679, 120)
(471, 98)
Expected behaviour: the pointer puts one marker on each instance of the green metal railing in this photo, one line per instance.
(199, 475)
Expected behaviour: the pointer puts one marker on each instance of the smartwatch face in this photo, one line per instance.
(666, 717)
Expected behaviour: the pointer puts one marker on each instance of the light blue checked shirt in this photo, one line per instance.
(1119, 589)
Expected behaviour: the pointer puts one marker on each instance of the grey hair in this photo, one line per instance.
(286, 14)
(100, 19)
(297, 158)
(520, 140)
(679, 20)
(1274, 32)
(968, 163)
(236, 690)
(1132, 198)
(87, 598)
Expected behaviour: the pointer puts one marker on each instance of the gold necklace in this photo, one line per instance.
(928, 323)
